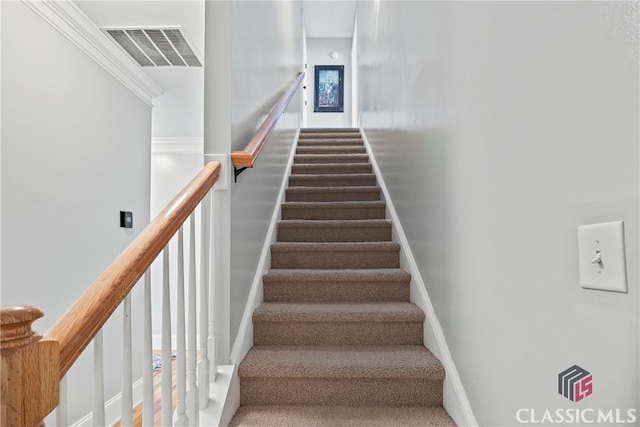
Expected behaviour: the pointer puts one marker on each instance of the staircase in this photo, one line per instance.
(336, 341)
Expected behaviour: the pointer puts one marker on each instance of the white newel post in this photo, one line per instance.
(218, 97)
(213, 274)
(221, 259)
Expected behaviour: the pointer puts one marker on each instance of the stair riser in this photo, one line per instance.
(330, 158)
(329, 214)
(341, 391)
(337, 168)
(335, 259)
(329, 130)
(332, 181)
(337, 333)
(330, 150)
(330, 142)
(324, 135)
(338, 234)
(321, 196)
(336, 292)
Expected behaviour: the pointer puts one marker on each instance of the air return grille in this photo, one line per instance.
(156, 47)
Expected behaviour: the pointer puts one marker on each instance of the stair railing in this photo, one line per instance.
(33, 367)
(246, 158)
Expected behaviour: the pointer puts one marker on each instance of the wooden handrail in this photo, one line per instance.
(247, 157)
(77, 327)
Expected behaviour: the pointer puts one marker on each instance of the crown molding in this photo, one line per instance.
(71, 22)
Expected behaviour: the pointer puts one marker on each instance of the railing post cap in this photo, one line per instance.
(15, 325)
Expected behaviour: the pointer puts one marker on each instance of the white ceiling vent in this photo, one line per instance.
(156, 47)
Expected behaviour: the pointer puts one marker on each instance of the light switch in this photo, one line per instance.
(602, 256)
(126, 219)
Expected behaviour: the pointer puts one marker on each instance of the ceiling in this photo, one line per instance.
(329, 18)
(323, 18)
(188, 14)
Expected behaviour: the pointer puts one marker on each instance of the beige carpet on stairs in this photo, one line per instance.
(337, 341)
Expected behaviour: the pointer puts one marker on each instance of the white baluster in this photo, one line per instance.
(127, 375)
(61, 410)
(181, 367)
(211, 339)
(203, 365)
(192, 387)
(166, 342)
(147, 356)
(98, 381)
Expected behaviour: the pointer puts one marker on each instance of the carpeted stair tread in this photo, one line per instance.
(338, 312)
(333, 180)
(355, 141)
(334, 246)
(332, 255)
(333, 135)
(366, 275)
(332, 194)
(373, 285)
(330, 158)
(331, 168)
(372, 230)
(363, 209)
(375, 361)
(378, 323)
(341, 416)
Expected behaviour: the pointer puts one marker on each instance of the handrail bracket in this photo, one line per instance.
(237, 171)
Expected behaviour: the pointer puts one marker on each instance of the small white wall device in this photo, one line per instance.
(601, 256)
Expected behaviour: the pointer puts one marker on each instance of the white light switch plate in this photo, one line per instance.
(602, 256)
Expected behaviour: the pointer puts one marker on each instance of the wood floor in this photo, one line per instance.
(157, 399)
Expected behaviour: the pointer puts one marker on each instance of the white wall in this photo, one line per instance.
(266, 37)
(319, 53)
(75, 151)
(263, 42)
(500, 127)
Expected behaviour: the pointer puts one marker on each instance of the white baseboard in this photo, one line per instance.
(455, 399)
(113, 408)
(244, 340)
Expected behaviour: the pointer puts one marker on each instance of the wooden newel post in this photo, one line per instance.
(30, 372)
